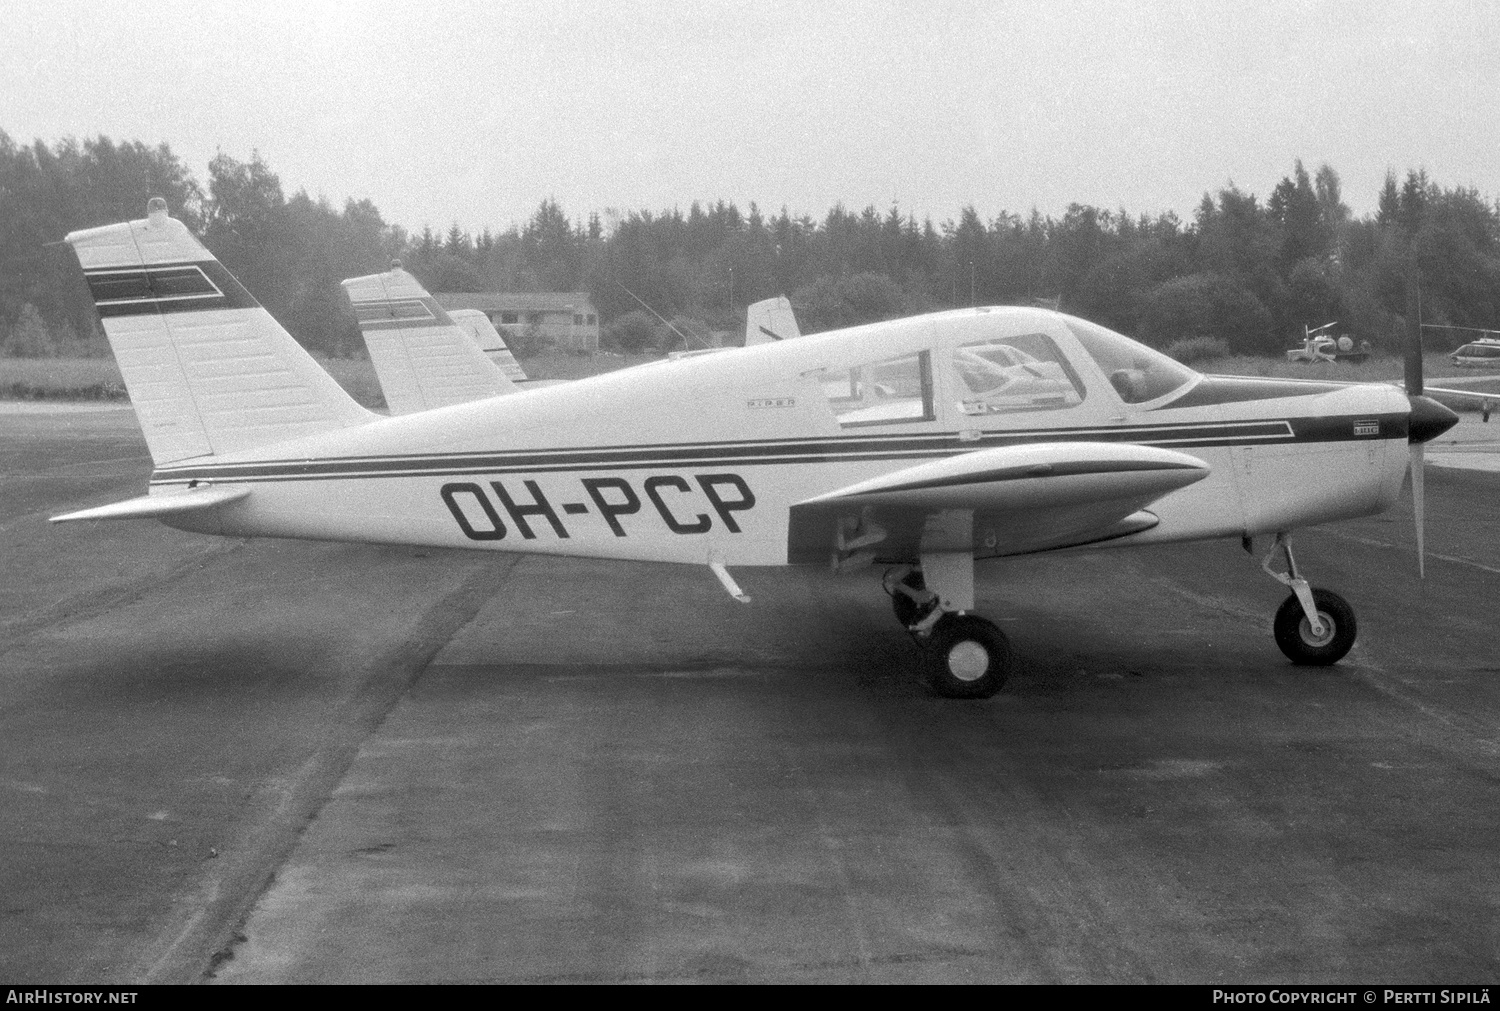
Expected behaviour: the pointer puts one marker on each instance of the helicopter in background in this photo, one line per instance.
(1318, 346)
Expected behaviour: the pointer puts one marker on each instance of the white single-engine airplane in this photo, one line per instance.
(425, 357)
(921, 443)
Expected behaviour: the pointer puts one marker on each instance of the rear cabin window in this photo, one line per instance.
(893, 391)
(1008, 374)
(1137, 373)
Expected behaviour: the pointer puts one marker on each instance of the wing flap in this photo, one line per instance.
(158, 505)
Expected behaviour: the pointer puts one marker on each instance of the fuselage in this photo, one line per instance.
(706, 456)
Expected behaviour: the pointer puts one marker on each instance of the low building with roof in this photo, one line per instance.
(567, 318)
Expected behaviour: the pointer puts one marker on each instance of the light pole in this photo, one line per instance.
(971, 284)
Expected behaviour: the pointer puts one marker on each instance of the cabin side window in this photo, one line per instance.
(1003, 375)
(893, 391)
(1137, 373)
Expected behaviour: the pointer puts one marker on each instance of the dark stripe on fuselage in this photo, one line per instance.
(166, 287)
(790, 451)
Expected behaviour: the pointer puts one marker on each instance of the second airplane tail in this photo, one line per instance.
(770, 320)
(421, 357)
(479, 328)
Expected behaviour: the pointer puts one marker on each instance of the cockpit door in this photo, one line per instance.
(1010, 378)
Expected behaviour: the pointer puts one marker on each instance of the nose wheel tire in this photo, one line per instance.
(966, 657)
(1295, 636)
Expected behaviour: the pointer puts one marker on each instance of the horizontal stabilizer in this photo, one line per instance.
(164, 503)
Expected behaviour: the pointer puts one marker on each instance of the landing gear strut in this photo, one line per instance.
(910, 598)
(963, 655)
(1313, 627)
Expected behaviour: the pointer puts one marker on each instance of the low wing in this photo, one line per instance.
(421, 357)
(1003, 501)
(158, 505)
(770, 320)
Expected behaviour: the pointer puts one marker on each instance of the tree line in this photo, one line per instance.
(1243, 275)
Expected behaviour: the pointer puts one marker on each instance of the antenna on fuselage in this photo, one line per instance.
(685, 345)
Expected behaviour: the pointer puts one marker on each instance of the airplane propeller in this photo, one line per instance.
(1429, 419)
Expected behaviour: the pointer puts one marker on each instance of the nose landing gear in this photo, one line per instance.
(1313, 627)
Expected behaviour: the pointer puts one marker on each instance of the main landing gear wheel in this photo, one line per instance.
(1295, 636)
(966, 657)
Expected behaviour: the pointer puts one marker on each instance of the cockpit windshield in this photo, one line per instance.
(1137, 373)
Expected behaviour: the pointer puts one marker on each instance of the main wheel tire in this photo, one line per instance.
(908, 611)
(1294, 632)
(966, 657)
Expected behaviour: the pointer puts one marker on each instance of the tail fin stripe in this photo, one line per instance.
(185, 287)
(400, 313)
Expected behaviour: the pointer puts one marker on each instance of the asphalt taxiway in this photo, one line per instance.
(272, 761)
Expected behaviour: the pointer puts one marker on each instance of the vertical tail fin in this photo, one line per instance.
(208, 370)
(770, 320)
(422, 358)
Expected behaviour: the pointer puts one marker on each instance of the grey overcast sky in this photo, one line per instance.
(475, 112)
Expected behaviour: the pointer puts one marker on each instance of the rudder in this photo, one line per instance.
(208, 370)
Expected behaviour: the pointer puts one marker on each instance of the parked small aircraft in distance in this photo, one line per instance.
(479, 328)
(422, 358)
(770, 319)
(425, 357)
(922, 444)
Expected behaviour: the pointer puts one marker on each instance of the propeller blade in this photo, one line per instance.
(1418, 504)
(1413, 361)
